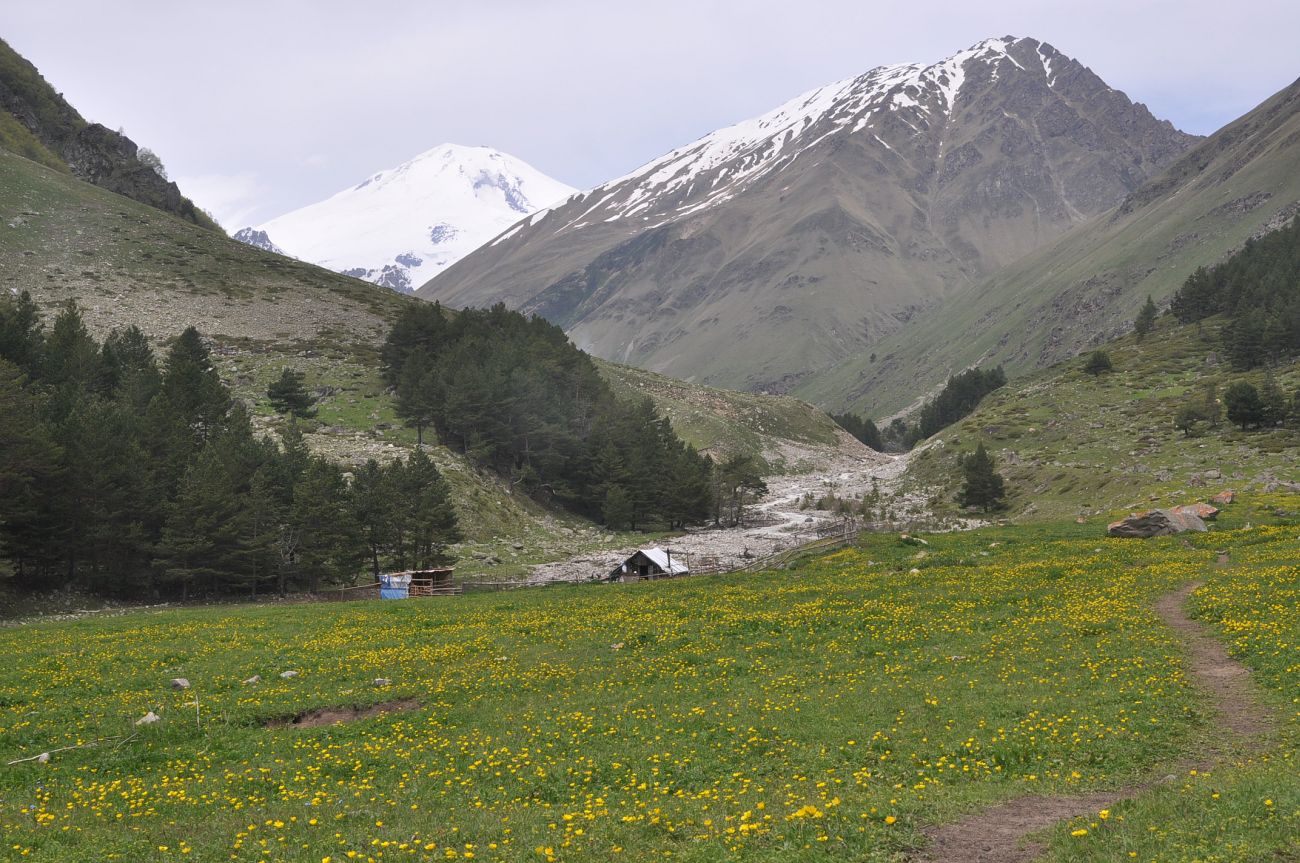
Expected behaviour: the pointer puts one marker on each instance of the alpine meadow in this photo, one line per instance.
(905, 474)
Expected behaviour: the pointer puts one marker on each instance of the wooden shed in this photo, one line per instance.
(418, 582)
(650, 563)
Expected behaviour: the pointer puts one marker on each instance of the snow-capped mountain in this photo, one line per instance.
(772, 248)
(399, 228)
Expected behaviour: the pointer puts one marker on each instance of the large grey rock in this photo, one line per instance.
(180, 683)
(1155, 522)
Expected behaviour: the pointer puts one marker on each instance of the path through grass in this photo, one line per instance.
(828, 711)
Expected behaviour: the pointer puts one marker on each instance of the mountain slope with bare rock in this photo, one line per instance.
(773, 248)
(1087, 287)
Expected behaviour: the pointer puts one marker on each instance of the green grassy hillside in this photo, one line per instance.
(831, 711)
(724, 422)
(1073, 445)
(1088, 286)
(126, 263)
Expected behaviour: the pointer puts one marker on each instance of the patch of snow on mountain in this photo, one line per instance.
(1047, 65)
(401, 227)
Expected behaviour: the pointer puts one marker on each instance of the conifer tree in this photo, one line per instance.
(372, 512)
(131, 483)
(1272, 402)
(200, 539)
(1146, 319)
(423, 517)
(130, 361)
(417, 395)
(421, 329)
(1098, 363)
(616, 509)
(73, 363)
(287, 395)
(863, 429)
(192, 389)
(736, 481)
(1243, 404)
(22, 341)
(326, 544)
(983, 486)
(30, 474)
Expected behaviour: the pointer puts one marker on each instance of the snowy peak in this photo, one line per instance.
(712, 169)
(495, 179)
(400, 227)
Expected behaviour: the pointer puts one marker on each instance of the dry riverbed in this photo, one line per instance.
(779, 521)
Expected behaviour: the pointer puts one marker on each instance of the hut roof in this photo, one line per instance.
(660, 558)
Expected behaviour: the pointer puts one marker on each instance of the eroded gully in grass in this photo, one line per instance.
(1000, 834)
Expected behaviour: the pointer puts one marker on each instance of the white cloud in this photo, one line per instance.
(316, 160)
(235, 200)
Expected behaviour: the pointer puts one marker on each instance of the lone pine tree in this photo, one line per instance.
(984, 486)
(1098, 362)
(1146, 319)
(287, 395)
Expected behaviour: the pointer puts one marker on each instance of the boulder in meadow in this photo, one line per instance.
(1155, 522)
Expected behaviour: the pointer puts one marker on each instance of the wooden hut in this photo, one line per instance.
(648, 563)
(418, 582)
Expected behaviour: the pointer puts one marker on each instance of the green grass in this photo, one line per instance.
(16, 138)
(826, 711)
(1249, 810)
(725, 422)
(1073, 445)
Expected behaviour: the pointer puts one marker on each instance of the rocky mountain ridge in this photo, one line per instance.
(1086, 287)
(771, 249)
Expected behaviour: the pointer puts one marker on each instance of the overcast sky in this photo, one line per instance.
(261, 107)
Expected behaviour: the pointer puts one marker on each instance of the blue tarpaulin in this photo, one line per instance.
(396, 586)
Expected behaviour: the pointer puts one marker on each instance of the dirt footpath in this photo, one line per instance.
(1000, 834)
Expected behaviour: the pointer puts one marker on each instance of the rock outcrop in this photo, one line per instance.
(1155, 522)
(1203, 511)
(92, 152)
